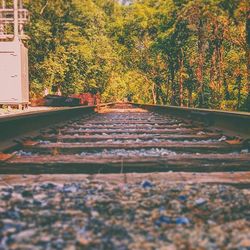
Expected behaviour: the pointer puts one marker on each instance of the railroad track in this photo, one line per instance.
(126, 139)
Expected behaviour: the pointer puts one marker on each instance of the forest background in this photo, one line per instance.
(191, 53)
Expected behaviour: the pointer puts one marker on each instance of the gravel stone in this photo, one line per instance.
(102, 215)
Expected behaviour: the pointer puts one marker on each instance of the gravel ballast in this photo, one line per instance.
(95, 214)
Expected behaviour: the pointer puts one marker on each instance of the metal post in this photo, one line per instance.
(21, 4)
(21, 16)
(16, 29)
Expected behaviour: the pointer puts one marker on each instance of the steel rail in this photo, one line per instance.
(13, 127)
(235, 123)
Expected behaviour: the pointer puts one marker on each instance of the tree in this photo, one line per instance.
(188, 53)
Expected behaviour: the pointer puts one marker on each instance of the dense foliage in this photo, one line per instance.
(179, 52)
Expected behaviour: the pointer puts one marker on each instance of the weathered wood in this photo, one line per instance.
(174, 146)
(5, 157)
(127, 121)
(225, 178)
(94, 138)
(128, 126)
(80, 159)
(93, 165)
(134, 131)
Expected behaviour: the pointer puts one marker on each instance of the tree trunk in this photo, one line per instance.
(44, 7)
(238, 80)
(219, 51)
(248, 49)
(212, 70)
(226, 93)
(201, 51)
(173, 97)
(154, 93)
(190, 98)
(181, 78)
(167, 89)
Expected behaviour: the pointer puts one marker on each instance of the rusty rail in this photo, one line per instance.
(13, 127)
(236, 123)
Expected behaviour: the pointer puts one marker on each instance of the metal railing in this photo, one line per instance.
(12, 21)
